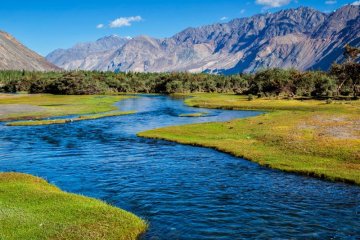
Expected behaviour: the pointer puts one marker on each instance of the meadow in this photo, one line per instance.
(310, 137)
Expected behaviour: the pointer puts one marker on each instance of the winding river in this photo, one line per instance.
(184, 192)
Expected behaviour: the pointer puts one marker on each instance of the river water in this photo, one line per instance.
(184, 192)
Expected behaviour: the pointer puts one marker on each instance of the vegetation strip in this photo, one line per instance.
(341, 81)
(29, 206)
(68, 120)
(307, 137)
(16, 106)
(199, 114)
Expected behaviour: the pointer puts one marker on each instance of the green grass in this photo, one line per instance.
(199, 114)
(307, 137)
(56, 105)
(68, 120)
(31, 208)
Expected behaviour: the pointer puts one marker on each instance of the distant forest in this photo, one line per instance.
(342, 80)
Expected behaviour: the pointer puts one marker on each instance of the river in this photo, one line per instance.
(184, 192)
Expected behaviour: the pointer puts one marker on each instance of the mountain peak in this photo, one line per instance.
(299, 38)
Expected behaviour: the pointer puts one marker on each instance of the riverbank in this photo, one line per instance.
(29, 206)
(41, 106)
(309, 137)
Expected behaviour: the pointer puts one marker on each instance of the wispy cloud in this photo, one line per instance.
(272, 3)
(357, 3)
(330, 2)
(242, 11)
(223, 18)
(124, 21)
(100, 26)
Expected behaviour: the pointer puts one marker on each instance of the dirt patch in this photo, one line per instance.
(6, 109)
(336, 127)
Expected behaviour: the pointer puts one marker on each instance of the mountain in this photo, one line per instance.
(86, 55)
(301, 38)
(15, 56)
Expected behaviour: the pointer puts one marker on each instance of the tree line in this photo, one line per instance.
(340, 80)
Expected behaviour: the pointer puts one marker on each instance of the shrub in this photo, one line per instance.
(329, 101)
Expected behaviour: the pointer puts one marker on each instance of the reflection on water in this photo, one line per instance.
(184, 192)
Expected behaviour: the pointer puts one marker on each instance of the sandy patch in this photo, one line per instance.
(6, 109)
(336, 127)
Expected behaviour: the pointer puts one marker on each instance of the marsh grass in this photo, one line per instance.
(198, 114)
(57, 105)
(308, 137)
(31, 208)
(68, 120)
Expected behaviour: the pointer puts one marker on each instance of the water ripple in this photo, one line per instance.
(184, 192)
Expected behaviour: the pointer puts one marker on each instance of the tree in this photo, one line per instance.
(351, 53)
(348, 78)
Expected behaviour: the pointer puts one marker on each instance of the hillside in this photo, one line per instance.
(15, 56)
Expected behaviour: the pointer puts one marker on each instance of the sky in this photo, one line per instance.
(46, 25)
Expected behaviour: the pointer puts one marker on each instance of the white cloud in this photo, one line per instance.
(242, 11)
(357, 3)
(330, 2)
(124, 21)
(273, 3)
(223, 18)
(100, 26)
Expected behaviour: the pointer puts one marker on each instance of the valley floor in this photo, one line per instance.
(308, 137)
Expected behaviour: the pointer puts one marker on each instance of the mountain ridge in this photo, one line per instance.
(301, 38)
(15, 56)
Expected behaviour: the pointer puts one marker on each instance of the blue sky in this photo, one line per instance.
(49, 24)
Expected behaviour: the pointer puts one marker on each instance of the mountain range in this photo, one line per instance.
(301, 38)
(15, 56)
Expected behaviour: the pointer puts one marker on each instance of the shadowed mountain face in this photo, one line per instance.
(301, 38)
(87, 55)
(15, 56)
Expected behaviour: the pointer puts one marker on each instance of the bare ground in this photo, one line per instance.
(6, 109)
(336, 127)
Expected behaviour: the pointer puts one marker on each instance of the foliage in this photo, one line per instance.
(347, 77)
(351, 52)
(342, 79)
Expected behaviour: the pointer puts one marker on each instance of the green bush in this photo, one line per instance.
(250, 97)
(342, 80)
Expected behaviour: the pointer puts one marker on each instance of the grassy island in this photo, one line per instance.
(68, 120)
(29, 206)
(41, 106)
(310, 137)
(198, 114)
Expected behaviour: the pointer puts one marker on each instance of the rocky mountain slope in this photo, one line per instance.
(87, 55)
(15, 56)
(301, 38)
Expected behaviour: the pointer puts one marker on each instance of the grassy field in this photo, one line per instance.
(31, 208)
(308, 137)
(39, 106)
